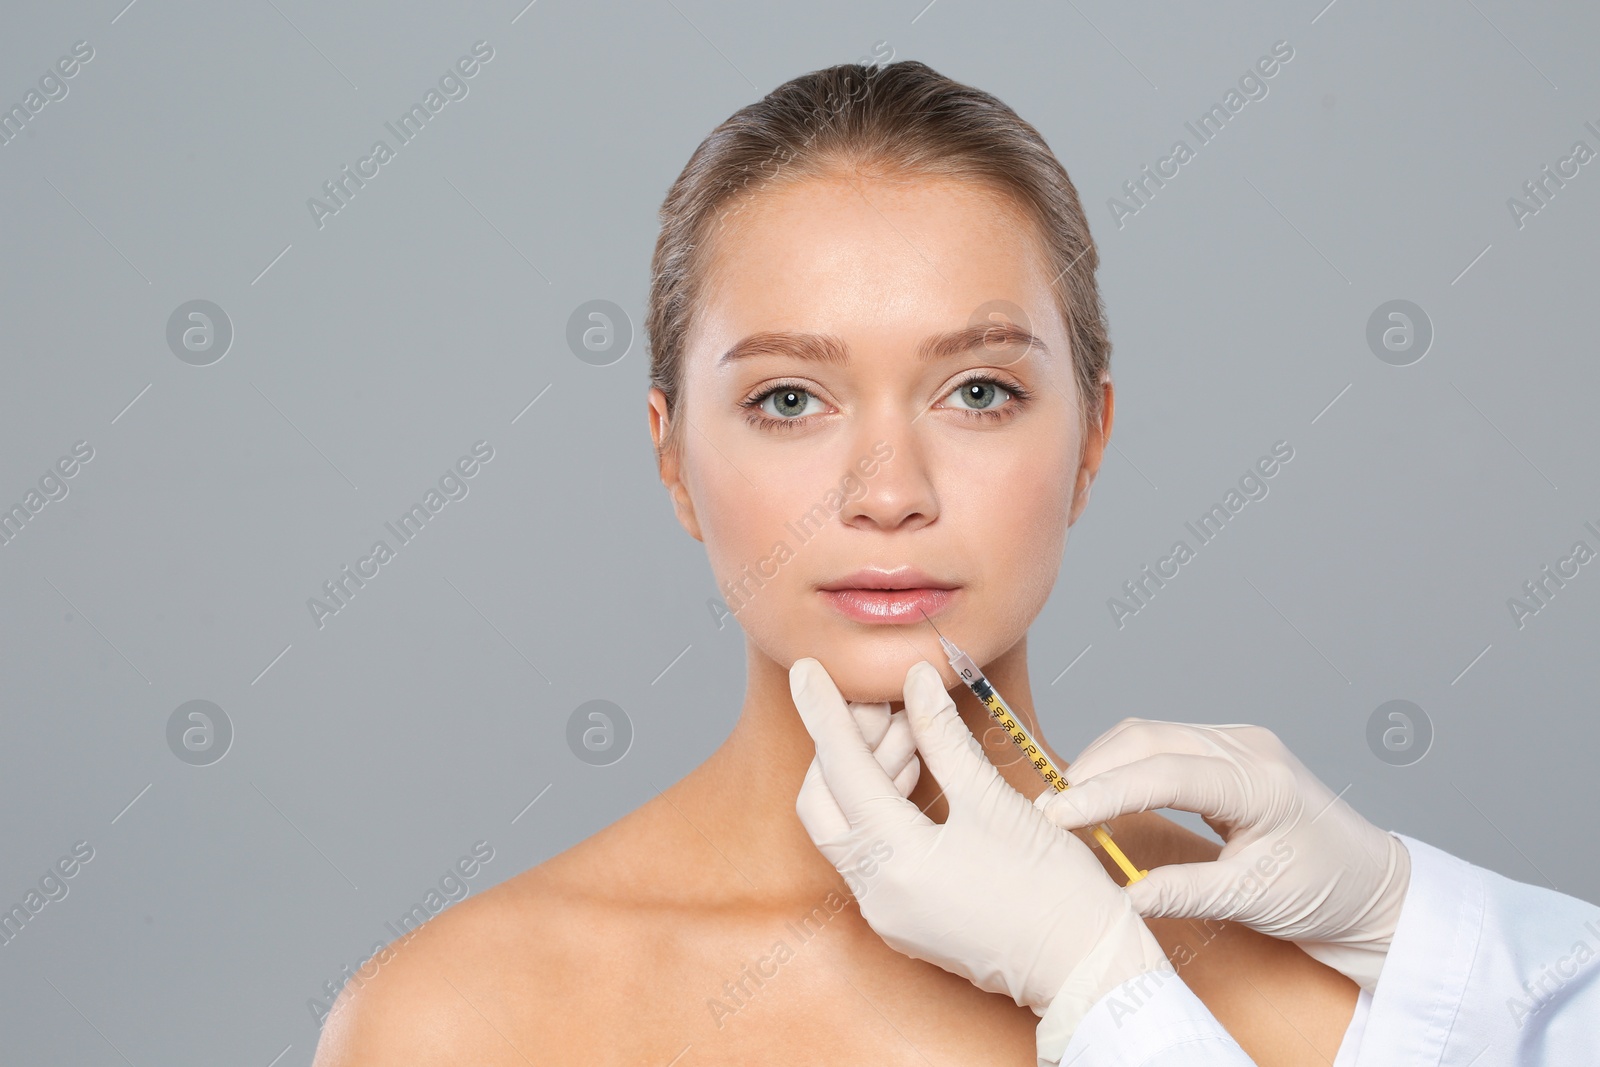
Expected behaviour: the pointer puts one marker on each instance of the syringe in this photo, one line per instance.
(1001, 711)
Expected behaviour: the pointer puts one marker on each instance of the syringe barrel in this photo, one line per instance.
(975, 680)
(967, 670)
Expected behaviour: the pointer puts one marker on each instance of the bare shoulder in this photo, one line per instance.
(424, 998)
(494, 978)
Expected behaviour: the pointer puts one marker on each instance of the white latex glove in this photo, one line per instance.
(889, 738)
(1299, 863)
(995, 894)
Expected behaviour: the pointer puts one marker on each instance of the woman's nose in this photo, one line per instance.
(890, 485)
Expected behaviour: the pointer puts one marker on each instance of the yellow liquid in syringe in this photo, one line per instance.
(1002, 715)
(1001, 712)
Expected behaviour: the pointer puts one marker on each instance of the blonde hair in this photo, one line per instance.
(904, 118)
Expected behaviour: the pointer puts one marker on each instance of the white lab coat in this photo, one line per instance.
(1482, 971)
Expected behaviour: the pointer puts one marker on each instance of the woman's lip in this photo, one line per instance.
(887, 605)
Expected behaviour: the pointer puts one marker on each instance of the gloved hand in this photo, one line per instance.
(995, 894)
(889, 739)
(1298, 863)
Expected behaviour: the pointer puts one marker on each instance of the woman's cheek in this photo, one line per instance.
(747, 542)
(1036, 537)
(1027, 560)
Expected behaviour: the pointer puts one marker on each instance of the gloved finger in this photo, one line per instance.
(1130, 723)
(852, 774)
(898, 746)
(819, 812)
(892, 746)
(873, 719)
(948, 748)
(1209, 890)
(1211, 786)
(906, 780)
(1133, 739)
(825, 824)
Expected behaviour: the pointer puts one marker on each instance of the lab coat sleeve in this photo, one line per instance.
(1151, 1020)
(1484, 970)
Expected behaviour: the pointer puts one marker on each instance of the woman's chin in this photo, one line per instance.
(869, 677)
(871, 691)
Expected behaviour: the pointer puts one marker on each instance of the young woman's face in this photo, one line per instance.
(836, 420)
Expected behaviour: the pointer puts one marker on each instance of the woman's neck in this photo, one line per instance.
(745, 792)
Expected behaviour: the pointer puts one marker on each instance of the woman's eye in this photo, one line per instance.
(981, 394)
(786, 407)
(785, 403)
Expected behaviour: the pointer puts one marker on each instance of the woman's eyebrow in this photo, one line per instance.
(826, 348)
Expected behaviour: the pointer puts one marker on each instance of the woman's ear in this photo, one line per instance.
(669, 466)
(1095, 438)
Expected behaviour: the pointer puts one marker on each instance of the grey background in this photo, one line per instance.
(371, 353)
